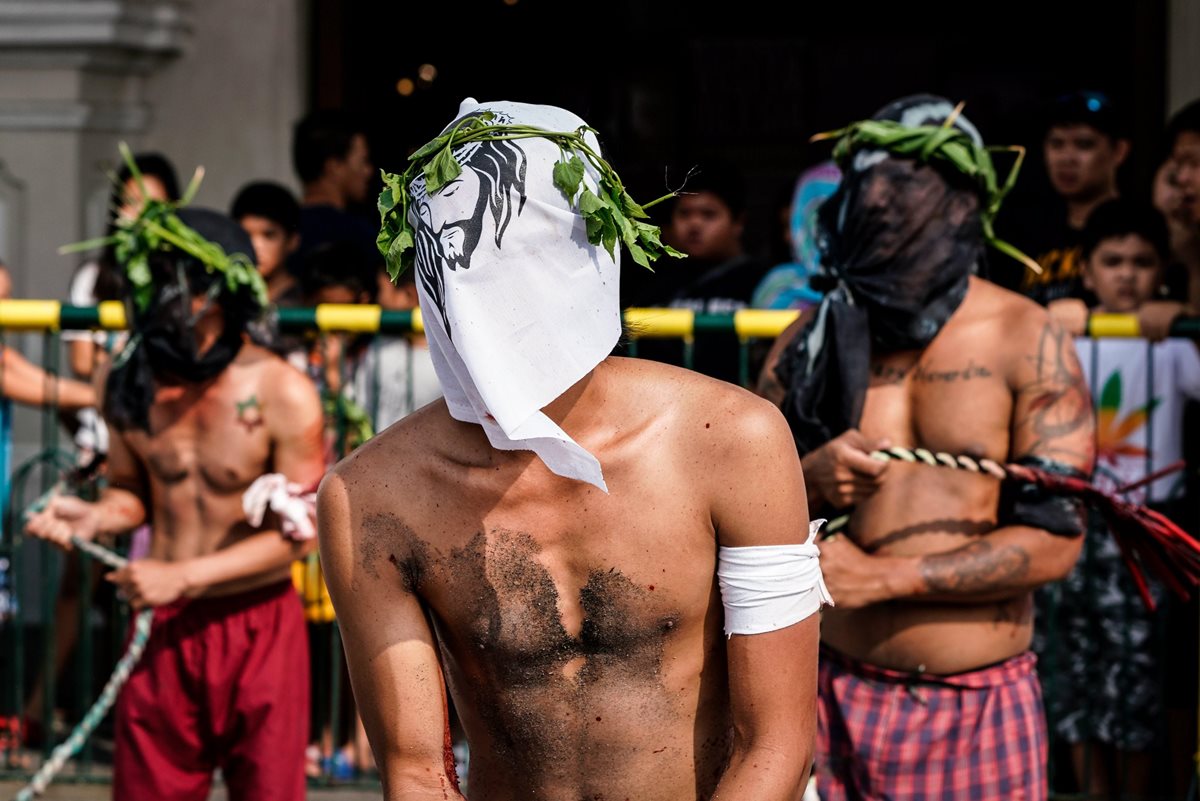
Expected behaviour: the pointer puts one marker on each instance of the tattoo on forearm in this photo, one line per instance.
(249, 413)
(977, 567)
(1061, 407)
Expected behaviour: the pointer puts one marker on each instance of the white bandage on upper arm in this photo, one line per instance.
(770, 587)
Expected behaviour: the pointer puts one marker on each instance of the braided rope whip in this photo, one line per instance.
(1149, 542)
(942, 459)
(108, 696)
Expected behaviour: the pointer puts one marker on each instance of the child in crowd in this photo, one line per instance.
(1107, 696)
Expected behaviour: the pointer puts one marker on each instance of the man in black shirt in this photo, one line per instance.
(1084, 147)
(717, 277)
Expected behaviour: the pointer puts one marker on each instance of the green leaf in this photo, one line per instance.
(568, 175)
(608, 235)
(399, 251)
(639, 255)
(386, 202)
(632, 208)
(402, 242)
(90, 244)
(383, 240)
(430, 148)
(588, 202)
(594, 228)
(673, 253)
(441, 170)
(1110, 396)
(648, 234)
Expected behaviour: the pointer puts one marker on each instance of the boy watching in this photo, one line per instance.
(1084, 147)
(271, 216)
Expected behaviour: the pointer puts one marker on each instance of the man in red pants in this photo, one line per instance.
(199, 414)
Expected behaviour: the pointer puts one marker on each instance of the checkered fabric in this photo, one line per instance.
(885, 735)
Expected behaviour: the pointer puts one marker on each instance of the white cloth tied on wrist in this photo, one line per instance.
(770, 587)
(295, 507)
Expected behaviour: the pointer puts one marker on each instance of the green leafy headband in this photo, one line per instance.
(156, 228)
(948, 145)
(610, 213)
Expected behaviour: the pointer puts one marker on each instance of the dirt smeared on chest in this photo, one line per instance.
(556, 699)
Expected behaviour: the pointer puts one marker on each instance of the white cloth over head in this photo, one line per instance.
(770, 587)
(518, 306)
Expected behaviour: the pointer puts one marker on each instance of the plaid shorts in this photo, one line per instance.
(888, 735)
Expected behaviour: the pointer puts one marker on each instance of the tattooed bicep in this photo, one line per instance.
(1052, 415)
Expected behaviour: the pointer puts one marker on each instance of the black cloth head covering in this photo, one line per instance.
(162, 344)
(899, 241)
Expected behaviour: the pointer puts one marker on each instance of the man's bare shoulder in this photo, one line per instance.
(710, 414)
(271, 372)
(406, 450)
(1012, 309)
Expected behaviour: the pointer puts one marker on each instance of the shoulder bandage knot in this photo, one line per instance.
(295, 507)
(770, 587)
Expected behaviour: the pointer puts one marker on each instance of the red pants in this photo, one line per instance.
(223, 684)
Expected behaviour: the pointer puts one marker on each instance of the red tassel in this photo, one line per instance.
(1148, 540)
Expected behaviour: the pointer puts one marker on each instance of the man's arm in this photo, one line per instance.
(119, 509)
(390, 650)
(25, 383)
(1052, 420)
(759, 499)
(768, 386)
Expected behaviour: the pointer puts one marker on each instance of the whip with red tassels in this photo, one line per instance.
(1150, 542)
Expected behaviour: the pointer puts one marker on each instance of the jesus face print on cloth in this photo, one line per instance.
(450, 223)
(518, 305)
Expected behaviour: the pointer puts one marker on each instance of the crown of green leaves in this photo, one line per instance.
(156, 228)
(944, 144)
(610, 213)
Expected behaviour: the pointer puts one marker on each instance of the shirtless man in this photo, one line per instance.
(927, 685)
(578, 629)
(200, 415)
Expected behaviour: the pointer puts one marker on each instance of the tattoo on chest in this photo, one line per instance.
(249, 413)
(891, 374)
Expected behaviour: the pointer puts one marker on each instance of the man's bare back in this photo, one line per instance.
(580, 633)
(999, 381)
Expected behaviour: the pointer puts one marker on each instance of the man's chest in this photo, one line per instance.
(219, 438)
(945, 399)
(538, 585)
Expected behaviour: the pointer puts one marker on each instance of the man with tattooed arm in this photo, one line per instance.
(927, 685)
(199, 414)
